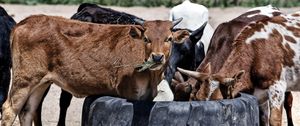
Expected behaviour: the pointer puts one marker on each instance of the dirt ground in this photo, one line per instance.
(51, 106)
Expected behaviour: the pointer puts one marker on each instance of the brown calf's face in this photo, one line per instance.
(181, 88)
(158, 37)
(212, 86)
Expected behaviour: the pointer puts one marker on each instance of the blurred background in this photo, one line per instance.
(167, 3)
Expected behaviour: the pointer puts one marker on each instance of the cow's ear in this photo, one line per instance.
(182, 35)
(234, 79)
(136, 32)
(239, 75)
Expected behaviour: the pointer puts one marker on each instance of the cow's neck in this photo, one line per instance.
(240, 59)
(156, 77)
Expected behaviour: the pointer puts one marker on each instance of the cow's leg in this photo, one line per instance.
(65, 100)
(276, 98)
(18, 95)
(288, 101)
(64, 103)
(38, 115)
(4, 85)
(29, 110)
(264, 111)
(264, 107)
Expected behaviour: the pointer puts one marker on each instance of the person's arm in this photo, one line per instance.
(206, 15)
(171, 16)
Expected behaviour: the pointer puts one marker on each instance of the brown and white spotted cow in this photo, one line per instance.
(221, 45)
(221, 42)
(264, 61)
(84, 59)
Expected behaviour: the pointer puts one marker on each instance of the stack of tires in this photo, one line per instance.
(106, 110)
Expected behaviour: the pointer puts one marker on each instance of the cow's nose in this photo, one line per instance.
(157, 58)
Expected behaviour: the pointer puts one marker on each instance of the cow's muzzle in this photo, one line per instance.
(157, 58)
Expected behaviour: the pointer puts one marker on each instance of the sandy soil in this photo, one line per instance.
(51, 106)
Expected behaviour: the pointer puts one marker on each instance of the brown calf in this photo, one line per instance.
(83, 59)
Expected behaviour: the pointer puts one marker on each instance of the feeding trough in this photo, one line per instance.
(107, 110)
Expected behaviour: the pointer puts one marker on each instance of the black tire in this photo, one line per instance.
(110, 111)
(169, 114)
(142, 110)
(86, 109)
(241, 111)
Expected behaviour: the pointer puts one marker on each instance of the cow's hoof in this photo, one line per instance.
(240, 111)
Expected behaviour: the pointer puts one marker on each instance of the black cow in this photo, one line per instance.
(89, 13)
(6, 24)
(93, 13)
(186, 54)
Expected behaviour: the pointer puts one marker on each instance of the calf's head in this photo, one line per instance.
(157, 36)
(182, 89)
(212, 86)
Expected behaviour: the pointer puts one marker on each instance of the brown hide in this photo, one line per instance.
(264, 60)
(222, 41)
(85, 58)
(221, 46)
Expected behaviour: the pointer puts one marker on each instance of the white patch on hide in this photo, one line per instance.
(290, 75)
(264, 10)
(276, 94)
(212, 87)
(265, 32)
(164, 92)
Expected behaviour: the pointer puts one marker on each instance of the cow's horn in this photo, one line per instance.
(177, 21)
(139, 21)
(197, 34)
(192, 74)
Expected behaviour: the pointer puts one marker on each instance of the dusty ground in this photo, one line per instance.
(50, 106)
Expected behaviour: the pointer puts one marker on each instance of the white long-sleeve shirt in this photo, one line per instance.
(194, 15)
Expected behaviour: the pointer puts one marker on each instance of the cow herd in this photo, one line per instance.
(100, 51)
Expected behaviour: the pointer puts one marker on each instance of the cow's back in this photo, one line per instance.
(101, 15)
(276, 45)
(222, 41)
(83, 55)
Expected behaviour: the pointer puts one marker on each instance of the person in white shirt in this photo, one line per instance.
(194, 15)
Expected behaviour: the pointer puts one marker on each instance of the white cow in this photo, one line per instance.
(194, 15)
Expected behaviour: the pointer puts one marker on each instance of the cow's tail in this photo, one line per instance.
(13, 48)
(11, 45)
